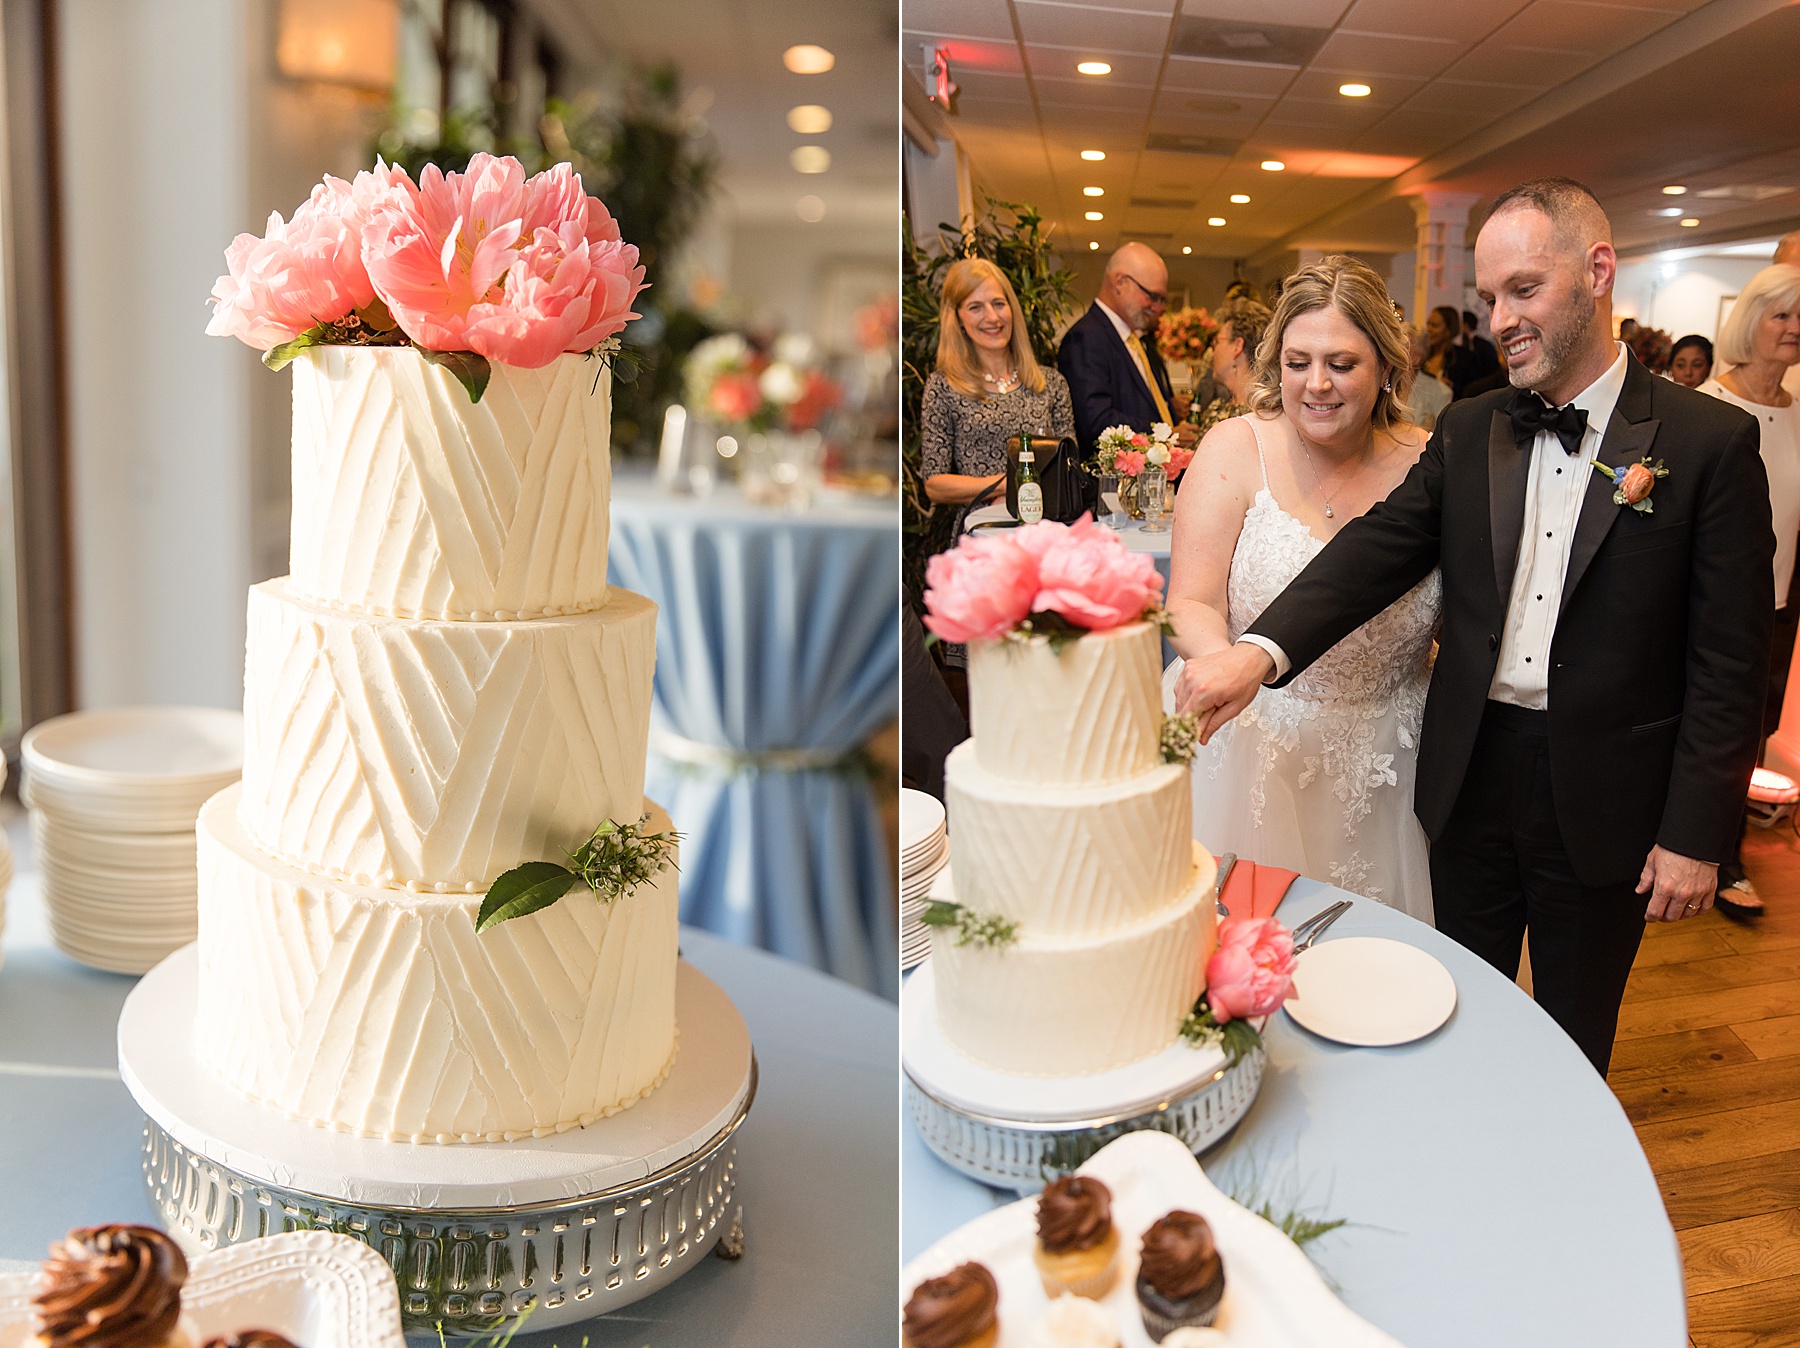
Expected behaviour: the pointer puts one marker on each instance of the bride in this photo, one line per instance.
(1317, 776)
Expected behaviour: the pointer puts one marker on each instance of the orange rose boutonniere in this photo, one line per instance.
(1633, 483)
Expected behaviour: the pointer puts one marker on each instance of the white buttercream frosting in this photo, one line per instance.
(1088, 713)
(412, 501)
(1056, 1006)
(436, 755)
(1068, 860)
(381, 1012)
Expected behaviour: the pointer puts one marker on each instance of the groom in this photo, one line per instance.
(1593, 715)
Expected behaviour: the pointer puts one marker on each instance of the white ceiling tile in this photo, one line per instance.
(1457, 19)
(1099, 31)
(1060, 62)
(991, 86)
(1571, 25)
(976, 18)
(1461, 95)
(1080, 93)
(1341, 115)
(1505, 64)
(1359, 54)
(1225, 77)
(1293, 13)
(1385, 91)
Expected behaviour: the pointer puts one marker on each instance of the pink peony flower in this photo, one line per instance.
(982, 588)
(1251, 973)
(303, 272)
(486, 261)
(1085, 573)
(1128, 462)
(1140, 441)
(1179, 459)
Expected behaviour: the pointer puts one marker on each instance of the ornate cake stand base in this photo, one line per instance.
(552, 1230)
(1020, 1133)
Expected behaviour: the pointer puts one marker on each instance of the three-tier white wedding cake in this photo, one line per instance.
(1089, 913)
(444, 688)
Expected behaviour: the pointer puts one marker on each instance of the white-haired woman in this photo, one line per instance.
(1760, 341)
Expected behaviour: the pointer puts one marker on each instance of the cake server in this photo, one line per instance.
(1226, 862)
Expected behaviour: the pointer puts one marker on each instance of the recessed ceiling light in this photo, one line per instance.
(1674, 191)
(1093, 191)
(1273, 166)
(1186, 250)
(1216, 220)
(1093, 156)
(807, 59)
(1668, 212)
(1096, 215)
(1240, 199)
(1094, 68)
(809, 119)
(810, 209)
(810, 159)
(1689, 223)
(1354, 90)
(1092, 246)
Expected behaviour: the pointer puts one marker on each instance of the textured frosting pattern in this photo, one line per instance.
(1058, 1007)
(411, 501)
(1065, 860)
(437, 755)
(1090, 713)
(379, 1012)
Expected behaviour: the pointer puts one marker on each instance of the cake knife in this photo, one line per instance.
(1226, 862)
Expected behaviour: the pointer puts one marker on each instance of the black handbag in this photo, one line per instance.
(1066, 484)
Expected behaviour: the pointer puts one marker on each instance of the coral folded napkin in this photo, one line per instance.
(1256, 891)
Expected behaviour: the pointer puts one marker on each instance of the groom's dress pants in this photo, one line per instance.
(1499, 868)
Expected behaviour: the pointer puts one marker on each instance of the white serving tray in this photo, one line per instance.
(313, 1288)
(1274, 1297)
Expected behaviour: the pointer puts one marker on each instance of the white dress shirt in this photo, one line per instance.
(1119, 325)
(1554, 492)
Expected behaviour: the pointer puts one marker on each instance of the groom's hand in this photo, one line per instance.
(1217, 687)
(1678, 886)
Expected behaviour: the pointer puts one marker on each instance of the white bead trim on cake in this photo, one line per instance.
(449, 615)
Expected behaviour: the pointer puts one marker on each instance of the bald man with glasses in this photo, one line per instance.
(1109, 355)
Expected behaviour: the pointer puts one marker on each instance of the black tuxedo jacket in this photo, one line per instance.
(1661, 650)
(1104, 382)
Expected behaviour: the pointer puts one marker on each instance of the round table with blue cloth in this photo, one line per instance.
(777, 656)
(815, 1157)
(1495, 1191)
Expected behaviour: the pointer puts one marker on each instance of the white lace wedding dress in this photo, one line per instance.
(1317, 777)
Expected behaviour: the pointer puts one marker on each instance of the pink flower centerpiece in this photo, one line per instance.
(487, 265)
(1061, 579)
(1249, 975)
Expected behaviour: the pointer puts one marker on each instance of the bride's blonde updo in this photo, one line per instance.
(1357, 292)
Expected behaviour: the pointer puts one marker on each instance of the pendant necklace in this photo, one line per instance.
(1318, 486)
(1005, 384)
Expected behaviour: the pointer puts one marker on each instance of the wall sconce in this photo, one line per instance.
(348, 42)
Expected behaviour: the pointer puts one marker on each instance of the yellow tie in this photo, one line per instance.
(1136, 348)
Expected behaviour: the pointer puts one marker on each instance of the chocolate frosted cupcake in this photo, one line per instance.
(248, 1338)
(112, 1287)
(1077, 1247)
(1180, 1275)
(958, 1310)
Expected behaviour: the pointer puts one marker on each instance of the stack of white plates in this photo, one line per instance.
(114, 795)
(924, 851)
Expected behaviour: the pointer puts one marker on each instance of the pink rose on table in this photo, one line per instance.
(735, 395)
(982, 588)
(1085, 573)
(1128, 462)
(1140, 441)
(1252, 971)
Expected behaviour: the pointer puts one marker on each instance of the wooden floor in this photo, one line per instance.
(1707, 1065)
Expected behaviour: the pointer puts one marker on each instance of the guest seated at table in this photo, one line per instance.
(1242, 322)
(1316, 777)
(987, 387)
(1691, 361)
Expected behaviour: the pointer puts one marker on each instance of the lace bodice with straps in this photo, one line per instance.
(1346, 696)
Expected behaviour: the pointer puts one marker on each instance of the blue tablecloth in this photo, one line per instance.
(1496, 1191)
(815, 1161)
(777, 656)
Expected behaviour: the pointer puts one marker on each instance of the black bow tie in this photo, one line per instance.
(1531, 414)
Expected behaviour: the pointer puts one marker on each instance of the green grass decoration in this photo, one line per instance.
(613, 862)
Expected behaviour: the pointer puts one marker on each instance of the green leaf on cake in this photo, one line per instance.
(1236, 1037)
(468, 369)
(972, 928)
(280, 357)
(522, 890)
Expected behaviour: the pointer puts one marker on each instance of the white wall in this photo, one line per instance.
(1685, 301)
(154, 156)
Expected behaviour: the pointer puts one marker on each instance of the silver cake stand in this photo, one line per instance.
(1020, 1133)
(555, 1230)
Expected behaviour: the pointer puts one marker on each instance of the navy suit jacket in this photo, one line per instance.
(1104, 382)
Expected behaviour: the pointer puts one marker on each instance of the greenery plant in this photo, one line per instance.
(1012, 236)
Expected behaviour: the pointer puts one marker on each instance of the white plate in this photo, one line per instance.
(1274, 1297)
(921, 817)
(163, 747)
(311, 1287)
(76, 841)
(1370, 992)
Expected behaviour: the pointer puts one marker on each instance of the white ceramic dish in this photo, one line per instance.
(1370, 992)
(172, 746)
(313, 1288)
(921, 819)
(1274, 1297)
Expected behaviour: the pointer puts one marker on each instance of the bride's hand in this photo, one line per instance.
(1216, 687)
